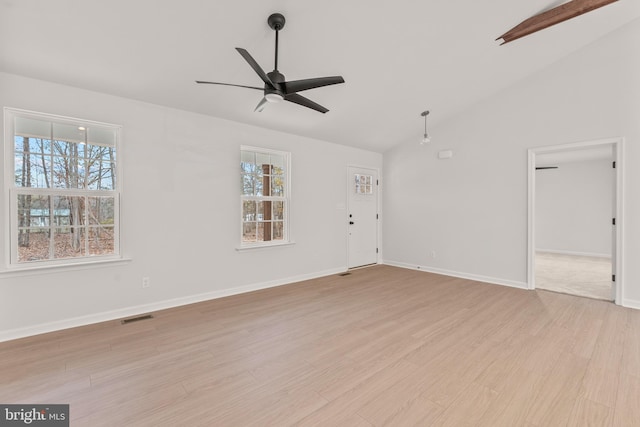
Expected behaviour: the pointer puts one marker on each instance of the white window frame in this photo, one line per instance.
(286, 198)
(11, 191)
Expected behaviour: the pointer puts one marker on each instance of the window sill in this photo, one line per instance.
(264, 246)
(29, 270)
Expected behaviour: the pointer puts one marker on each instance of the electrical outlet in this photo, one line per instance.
(146, 282)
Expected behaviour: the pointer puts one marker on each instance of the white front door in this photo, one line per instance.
(362, 187)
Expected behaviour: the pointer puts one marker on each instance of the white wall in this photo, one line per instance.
(179, 166)
(574, 206)
(472, 209)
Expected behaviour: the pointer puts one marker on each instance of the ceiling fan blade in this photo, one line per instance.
(260, 105)
(305, 102)
(252, 62)
(300, 85)
(228, 84)
(551, 17)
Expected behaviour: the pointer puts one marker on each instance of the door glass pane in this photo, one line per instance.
(363, 184)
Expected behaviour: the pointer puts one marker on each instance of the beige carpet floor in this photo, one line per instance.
(575, 275)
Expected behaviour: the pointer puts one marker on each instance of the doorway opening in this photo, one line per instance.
(575, 224)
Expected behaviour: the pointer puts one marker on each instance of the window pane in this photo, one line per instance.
(68, 171)
(248, 185)
(100, 176)
(20, 175)
(68, 210)
(247, 158)
(261, 231)
(70, 133)
(259, 185)
(33, 244)
(277, 161)
(41, 171)
(100, 210)
(101, 240)
(32, 128)
(260, 211)
(26, 144)
(278, 210)
(277, 186)
(109, 154)
(31, 170)
(249, 232)
(33, 211)
(249, 210)
(102, 136)
(278, 230)
(262, 159)
(68, 242)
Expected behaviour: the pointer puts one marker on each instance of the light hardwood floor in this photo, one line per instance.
(382, 346)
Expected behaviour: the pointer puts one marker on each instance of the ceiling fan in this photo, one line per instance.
(276, 88)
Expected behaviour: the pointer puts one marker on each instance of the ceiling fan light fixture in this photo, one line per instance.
(274, 97)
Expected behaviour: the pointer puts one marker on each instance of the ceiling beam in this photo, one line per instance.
(552, 17)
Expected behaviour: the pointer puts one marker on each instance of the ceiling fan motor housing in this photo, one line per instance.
(277, 78)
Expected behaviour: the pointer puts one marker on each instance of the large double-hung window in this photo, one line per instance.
(64, 191)
(264, 197)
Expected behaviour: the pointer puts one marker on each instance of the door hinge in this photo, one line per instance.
(376, 250)
(614, 165)
(613, 277)
(613, 221)
(377, 216)
(377, 182)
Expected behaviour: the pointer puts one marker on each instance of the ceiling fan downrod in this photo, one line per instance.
(276, 21)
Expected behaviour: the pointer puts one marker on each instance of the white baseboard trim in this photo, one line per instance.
(474, 277)
(630, 303)
(74, 322)
(554, 251)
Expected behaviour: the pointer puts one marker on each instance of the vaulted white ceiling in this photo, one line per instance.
(398, 58)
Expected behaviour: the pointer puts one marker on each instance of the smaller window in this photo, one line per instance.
(264, 196)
